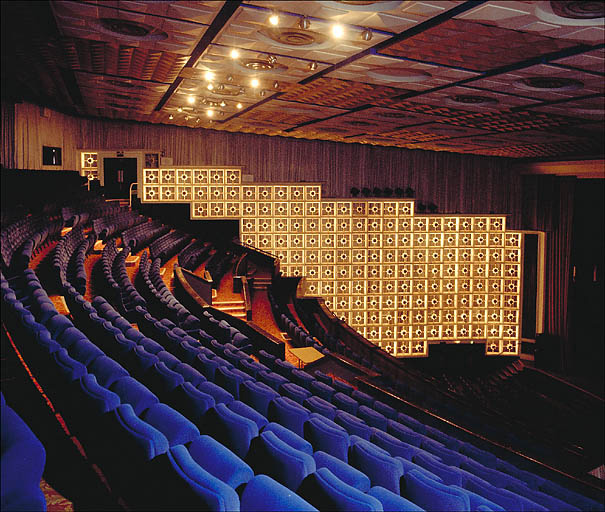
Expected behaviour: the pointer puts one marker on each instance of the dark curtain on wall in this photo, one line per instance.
(548, 205)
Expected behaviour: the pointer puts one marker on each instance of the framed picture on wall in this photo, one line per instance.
(151, 160)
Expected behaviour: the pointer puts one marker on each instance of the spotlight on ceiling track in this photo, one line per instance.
(229, 78)
(171, 117)
(239, 106)
(191, 100)
(209, 112)
(276, 85)
(304, 23)
(234, 54)
(209, 75)
(366, 35)
(210, 87)
(254, 82)
(338, 31)
(312, 66)
(179, 109)
(271, 59)
(223, 103)
(274, 19)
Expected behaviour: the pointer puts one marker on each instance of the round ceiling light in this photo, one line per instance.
(571, 12)
(294, 38)
(548, 83)
(471, 99)
(129, 30)
(393, 74)
(260, 65)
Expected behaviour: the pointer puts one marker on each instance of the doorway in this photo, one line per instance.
(120, 173)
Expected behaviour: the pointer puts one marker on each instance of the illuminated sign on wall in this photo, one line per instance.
(401, 279)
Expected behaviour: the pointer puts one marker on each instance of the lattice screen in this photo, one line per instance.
(400, 279)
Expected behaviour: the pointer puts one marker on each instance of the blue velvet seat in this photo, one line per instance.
(264, 494)
(251, 367)
(85, 352)
(190, 402)
(248, 412)
(295, 392)
(257, 395)
(503, 497)
(342, 470)
(404, 433)
(321, 390)
(391, 444)
(220, 395)
(230, 379)
(411, 423)
(272, 379)
(363, 398)
(289, 437)
(353, 425)
(392, 502)
(220, 462)
(342, 387)
(265, 358)
(432, 495)
(320, 406)
(345, 403)
(132, 392)
(231, 429)
(302, 378)
(271, 456)
(327, 436)
(162, 380)
(288, 413)
(284, 368)
(381, 468)
(323, 377)
(327, 492)
(189, 373)
(449, 474)
(176, 428)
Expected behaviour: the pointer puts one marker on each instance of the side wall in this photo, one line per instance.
(454, 182)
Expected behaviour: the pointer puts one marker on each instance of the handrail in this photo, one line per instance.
(134, 184)
(247, 297)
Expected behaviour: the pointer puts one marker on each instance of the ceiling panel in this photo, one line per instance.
(521, 79)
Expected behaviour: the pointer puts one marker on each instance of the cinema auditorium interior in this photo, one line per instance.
(302, 255)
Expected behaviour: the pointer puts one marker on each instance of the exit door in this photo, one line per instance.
(120, 173)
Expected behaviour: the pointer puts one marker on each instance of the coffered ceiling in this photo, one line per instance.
(504, 78)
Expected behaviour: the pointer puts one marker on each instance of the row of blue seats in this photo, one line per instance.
(22, 239)
(143, 234)
(69, 257)
(107, 226)
(153, 445)
(22, 463)
(168, 245)
(159, 296)
(84, 211)
(129, 297)
(192, 256)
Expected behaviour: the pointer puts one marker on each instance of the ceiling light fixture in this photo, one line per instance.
(254, 82)
(234, 54)
(229, 78)
(272, 59)
(239, 106)
(179, 109)
(367, 34)
(263, 93)
(209, 112)
(197, 120)
(209, 75)
(170, 117)
(304, 23)
(210, 87)
(274, 19)
(276, 84)
(223, 104)
(191, 100)
(338, 31)
(312, 66)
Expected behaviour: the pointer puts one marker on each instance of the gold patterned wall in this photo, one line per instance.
(401, 279)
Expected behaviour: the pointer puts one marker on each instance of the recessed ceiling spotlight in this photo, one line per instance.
(338, 30)
(223, 104)
(229, 78)
(209, 112)
(180, 109)
(366, 35)
(239, 106)
(304, 23)
(186, 118)
(210, 87)
(312, 66)
(254, 82)
(191, 100)
(170, 117)
(220, 87)
(274, 19)
(209, 75)
(221, 113)
(197, 120)
(276, 84)
(234, 54)
(272, 59)
(263, 93)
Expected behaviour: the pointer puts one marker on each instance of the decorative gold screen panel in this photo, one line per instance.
(401, 279)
